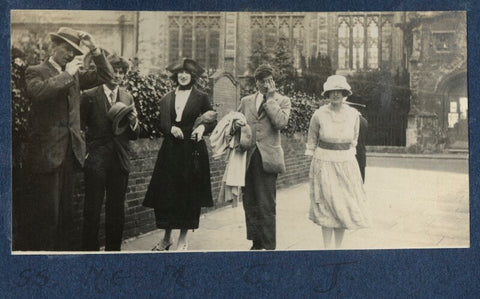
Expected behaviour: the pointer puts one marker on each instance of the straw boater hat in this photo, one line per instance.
(70, 36)
(187, 64)
(116, 114)
(336, 82)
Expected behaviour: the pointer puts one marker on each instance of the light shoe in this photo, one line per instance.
(162, 245)
(183, 247)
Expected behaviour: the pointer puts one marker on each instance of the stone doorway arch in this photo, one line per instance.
(453, 90)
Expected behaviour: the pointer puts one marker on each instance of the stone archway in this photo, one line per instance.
(453, 91)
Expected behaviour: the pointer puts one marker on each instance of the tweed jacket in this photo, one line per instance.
(98, 128)
(266, 128)
(55, 112)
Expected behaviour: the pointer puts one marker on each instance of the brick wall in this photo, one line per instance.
(140, 220)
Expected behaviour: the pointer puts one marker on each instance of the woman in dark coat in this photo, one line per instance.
(180, 184)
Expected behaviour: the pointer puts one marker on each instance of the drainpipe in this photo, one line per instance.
(121, 23)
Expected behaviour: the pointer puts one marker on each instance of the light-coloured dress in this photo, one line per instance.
(337, 195)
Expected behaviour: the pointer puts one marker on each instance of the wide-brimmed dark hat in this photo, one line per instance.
(70, 36)
(187, 64)
(116, 114)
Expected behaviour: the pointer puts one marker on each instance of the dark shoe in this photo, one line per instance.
(162, 246)
(256, 246)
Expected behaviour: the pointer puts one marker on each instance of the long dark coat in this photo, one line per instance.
(56, 112)
(361, 150)
(180, 183)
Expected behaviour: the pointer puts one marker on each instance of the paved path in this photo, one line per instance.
(411, 208)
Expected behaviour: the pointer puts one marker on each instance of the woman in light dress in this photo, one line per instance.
(338, 199)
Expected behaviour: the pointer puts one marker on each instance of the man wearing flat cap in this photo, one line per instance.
(110, 120)
(56, 147)
(266, 112)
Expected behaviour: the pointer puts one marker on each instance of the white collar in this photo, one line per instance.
(55, 64)
(108, 92)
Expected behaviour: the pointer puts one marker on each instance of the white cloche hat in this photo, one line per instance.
(336, 82)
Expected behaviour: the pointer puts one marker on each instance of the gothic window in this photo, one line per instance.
(187, 37)
(297, 38)
(214, 44)
(343, 44)
(257, 30)
(284, 27)
(201, 32)
(372, 43)
(386, 41)
(268, 28)
(364, 41)
(174, 39)
(358, 43)
(197, 37)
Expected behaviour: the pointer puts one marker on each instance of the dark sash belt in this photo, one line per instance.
(334, 146)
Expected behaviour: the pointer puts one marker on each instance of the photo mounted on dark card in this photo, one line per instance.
(194, 131)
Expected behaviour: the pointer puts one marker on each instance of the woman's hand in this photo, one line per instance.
(197, 134)
(177, 132)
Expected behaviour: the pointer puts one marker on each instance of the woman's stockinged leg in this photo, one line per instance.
(327, 236)
(182, 240)
(165, 243)
(167, 235)
(339, 236)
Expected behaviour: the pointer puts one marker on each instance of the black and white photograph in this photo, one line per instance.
(194, 131)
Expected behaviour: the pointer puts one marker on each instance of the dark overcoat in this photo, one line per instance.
(56, 112)
(361, 149)
(99, 133)
(180, 181)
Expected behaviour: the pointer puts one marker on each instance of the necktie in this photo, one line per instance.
(260, 108)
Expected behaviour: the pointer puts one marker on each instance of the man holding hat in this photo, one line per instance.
(266, 112)
(110, 120)
(56, 148)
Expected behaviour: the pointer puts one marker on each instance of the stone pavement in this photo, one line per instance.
(410, 209)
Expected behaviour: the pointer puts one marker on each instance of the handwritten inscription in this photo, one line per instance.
(102, 279)
(332, 279)
(319, 278)
(32, 278)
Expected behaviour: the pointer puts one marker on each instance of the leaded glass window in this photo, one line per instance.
(364, 41)
(268, 28)
(197, 37)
